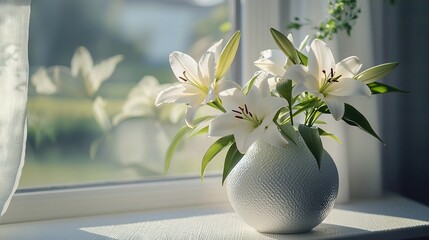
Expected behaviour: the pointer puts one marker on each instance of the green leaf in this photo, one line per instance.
(374, 73)
(250, 83)
(328, 134)
(284, 88)
(200, 131)
(312, 140)
(285, 45)
(288, 132)
(233, 156)
(213, 150)
(173, 145)
(380, 88)
(305, 105)
(354, 118)
(302, 58)
(324, 109)
(198, 128)
(227, 55)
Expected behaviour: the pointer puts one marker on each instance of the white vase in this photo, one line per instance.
(282, 190)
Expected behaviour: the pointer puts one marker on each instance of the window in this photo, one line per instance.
(66, 144)
(48, 163)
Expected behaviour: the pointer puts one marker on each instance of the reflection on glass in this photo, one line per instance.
(96, 68)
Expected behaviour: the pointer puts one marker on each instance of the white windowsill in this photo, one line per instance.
(390, 217)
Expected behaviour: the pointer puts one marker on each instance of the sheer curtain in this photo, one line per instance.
(14, 18)
(358, 157)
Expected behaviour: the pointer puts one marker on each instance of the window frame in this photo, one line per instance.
(36, 204)
(78, 201)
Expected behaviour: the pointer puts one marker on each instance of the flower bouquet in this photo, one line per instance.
(275, 113)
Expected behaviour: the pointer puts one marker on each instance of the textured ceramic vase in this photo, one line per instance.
(282, 190)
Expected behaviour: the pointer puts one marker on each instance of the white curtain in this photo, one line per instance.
(358, 158)
(14, 18)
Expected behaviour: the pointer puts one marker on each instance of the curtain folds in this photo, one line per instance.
(14, 20)
(358, 158)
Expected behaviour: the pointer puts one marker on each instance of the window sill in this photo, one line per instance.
(390, 217)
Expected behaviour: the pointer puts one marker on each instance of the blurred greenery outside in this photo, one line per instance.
(62, 128)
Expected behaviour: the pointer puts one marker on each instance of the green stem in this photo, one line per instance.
(291, 113)
(313, 116)
(217, 104)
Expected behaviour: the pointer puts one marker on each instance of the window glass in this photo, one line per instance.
(97, 122)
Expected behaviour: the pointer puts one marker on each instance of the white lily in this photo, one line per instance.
(248, 117)
(93, 75)
(100, 114)
(43, 83)
(198, 85)
(329, 81)
(272, 61)
(141, 103)
(82, 79)
(275, 62)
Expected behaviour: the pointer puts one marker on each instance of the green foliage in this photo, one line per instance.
(284, 88)
(354, 118)
(302, 58)
(250, 83)
(312, 140)
(180, 134)
(214, 149)
(233, 156)
(183, 131)
(380, 88)
(227, 55)
(288, 132)
(374, 73)
(285, 45)
(342, 16)
(328, 134)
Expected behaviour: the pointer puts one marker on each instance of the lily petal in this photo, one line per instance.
(206, 69)
(273, 136)
(191, 111)
(216, 49)
(101, 72)
(272, 61)
(320, 58)
(262, 84)
(268, 107)
(99, 108)
(348, 87)
(81, 62)
(336, 106)
(180, 93)
(348, 67)
(223, 125)
(232, 98)
(224, 84)
(303, 45)
(304, 81)
(242, 141)
(43, 83)
(182, 63)
(297, 73)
